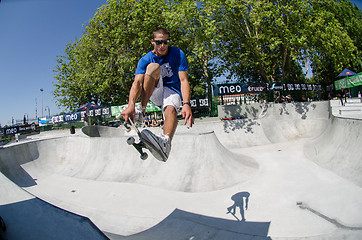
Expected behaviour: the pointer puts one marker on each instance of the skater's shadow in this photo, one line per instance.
(239, 199)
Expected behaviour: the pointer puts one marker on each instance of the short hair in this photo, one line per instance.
(161, 31)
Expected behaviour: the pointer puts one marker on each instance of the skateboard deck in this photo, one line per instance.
(143, 144)
(237, 219)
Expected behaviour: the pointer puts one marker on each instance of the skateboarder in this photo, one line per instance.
(161, 77)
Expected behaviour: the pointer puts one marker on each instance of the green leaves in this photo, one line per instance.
(246, 40)
(104, 59)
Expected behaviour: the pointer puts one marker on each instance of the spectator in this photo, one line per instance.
(289, 98)
(147, 121)
(154, 123)
(341, 96)
(86, 120)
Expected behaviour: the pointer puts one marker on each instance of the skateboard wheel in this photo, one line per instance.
(144, 156)
(128, 128)
(130, 140)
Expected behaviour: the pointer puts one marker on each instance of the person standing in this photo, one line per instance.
(341, 96)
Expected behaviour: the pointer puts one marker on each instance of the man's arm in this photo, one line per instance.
(134, 94)
(186, 95)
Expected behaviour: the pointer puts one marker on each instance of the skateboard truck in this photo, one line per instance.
(132, 141)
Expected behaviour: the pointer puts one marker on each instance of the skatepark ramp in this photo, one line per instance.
(28, 217)
(112, 159)
(262, 124)
(202, 228)
(339, 148)
(101, 131)
(278, 153)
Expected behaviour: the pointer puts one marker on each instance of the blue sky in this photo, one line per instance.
(32, 34)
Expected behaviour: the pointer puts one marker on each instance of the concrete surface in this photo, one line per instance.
(283, 156)
(27, 217)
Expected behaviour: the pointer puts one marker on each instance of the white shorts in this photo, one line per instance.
(164, 96)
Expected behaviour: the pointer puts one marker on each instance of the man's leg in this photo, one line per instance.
(143, 85)
(150, 81)
(170, 121)
(232, 209)
(171, 104)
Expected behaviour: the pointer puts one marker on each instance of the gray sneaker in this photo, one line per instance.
(159, 145)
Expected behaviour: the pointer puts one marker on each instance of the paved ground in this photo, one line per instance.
(296, 167)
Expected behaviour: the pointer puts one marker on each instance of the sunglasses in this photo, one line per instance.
(159, 42)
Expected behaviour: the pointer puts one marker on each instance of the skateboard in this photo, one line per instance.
(143, 144)
(237, 219)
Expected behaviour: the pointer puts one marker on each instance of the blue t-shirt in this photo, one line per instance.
(173, 62)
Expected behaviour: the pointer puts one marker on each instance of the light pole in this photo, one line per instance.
(36, 109)
(41, 90)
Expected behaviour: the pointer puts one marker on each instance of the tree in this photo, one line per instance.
(261, 43)
(343, 22)
(196, 27)
(100, 66)
(247, 40)
(266, 40)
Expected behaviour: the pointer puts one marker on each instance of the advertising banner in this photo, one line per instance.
(294, 87)
(229, 89)
(77, 116)
(115, 110)
(257, 88)
(11, 130)
(277, 87)
(199, 103)
(18, 129)
(151, 107)
(349, 82)
(27, 128)
(42, 121)
(70, 117)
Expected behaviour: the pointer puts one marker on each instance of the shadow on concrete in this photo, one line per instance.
(241, 201)
(103, 131)
(37, 219)
(238, 124)
(301, 108)
(255, 111)
(181, 225)
(304, 108)
(91, 131)
(243, 111)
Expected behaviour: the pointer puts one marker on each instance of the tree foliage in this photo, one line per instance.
(337, 38)
(198, 36)
(99, 67)
(246, 40)
(267, 40)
